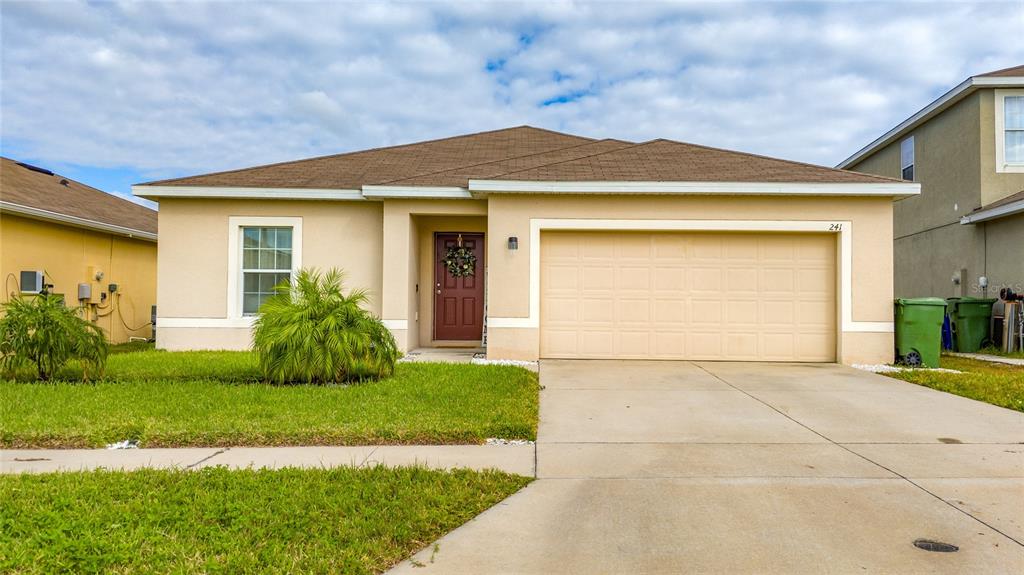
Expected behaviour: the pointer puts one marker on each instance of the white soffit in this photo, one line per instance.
(157, 192)
(416, 192)
(75, 221)
(898, 189)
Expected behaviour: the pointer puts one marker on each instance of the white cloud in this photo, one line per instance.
(175, 88)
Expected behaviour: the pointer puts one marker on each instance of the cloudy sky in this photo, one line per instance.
(119, 93)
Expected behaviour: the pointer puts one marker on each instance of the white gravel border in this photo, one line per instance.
(499, 441)
(526, 364)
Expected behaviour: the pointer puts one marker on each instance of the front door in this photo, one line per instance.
(459, 296)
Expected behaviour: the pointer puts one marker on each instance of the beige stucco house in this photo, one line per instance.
(582, 248)
(966, 149)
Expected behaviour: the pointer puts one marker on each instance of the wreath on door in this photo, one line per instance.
(460, 261)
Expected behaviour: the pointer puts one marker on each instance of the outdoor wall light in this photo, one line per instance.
(513, 243)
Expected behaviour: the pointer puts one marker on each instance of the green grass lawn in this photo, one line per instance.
(174, 399)
(994, 383)
(340, 520)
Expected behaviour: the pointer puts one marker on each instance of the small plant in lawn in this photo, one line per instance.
(312, 332)
(40, 330)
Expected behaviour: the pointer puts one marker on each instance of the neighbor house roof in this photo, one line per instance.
(1005, 78)
(39, 193)
(478, 163)
(1004, 73)
(1008, 206)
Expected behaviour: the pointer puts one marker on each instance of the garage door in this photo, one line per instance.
(676, 295)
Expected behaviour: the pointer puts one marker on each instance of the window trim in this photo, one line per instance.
(1000, 130)
(913, 159)
(234, 271)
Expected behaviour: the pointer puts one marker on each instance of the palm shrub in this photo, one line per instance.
(312, 332)
(40, 330)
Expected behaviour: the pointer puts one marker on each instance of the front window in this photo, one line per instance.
(1013, 129)
(907, 159)
(266, 262)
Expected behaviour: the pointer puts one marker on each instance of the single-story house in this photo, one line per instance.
(94, 248)
(577, 248)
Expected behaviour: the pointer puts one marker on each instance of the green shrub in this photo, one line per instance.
(40, 330)
(311, 332)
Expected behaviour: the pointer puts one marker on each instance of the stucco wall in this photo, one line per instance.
(946, 164)
(955, 164)
(193, 260)
(994, 185)
(66, 253)
(386, 247)
(509, 271)
(1004, 261)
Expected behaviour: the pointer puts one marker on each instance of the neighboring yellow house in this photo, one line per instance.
(83, 242)
(579, 248)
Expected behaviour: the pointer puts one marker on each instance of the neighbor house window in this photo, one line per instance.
(907, 158)
(266, 262)
(1013, 129)
(1009, 112)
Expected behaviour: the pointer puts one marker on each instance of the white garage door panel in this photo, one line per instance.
(676, 295)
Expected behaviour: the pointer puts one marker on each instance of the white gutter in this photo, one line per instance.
(993, 213)
(964, 89)
(416, 192)
(373, 192)
(899, 189)
(75, 221)
(157, 192)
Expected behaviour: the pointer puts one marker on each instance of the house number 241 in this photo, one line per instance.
(835, 227)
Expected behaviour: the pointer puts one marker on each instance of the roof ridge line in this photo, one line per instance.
(794, 162)
(591, 142)
(634, 145)
(354, 152)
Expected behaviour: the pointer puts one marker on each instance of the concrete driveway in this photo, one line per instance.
(681, 467)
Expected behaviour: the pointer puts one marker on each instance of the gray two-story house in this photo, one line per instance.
(966, 149)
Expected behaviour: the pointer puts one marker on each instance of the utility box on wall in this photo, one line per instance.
(85, 292)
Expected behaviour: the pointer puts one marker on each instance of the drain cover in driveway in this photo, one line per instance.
(937, 546)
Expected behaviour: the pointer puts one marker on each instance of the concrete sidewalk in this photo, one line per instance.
(989, 358)
(517, 459)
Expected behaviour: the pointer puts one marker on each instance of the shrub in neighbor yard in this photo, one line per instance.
(40, 330)
(312, 332)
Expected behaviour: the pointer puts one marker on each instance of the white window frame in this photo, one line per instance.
(235, 282)
(913, 158)
(1000, 113)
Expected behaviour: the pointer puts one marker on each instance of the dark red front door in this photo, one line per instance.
(458, 301)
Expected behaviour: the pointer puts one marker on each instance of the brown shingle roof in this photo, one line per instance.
(1007, 200)
(1005, 72)
(460, 176)
(524, 153)
(24, 187)
(354, 169)
(671, 161)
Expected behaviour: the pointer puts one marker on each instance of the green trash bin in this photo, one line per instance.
(969, 319)
(919, 330)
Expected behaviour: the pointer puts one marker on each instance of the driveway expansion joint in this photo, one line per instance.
(865, 458)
